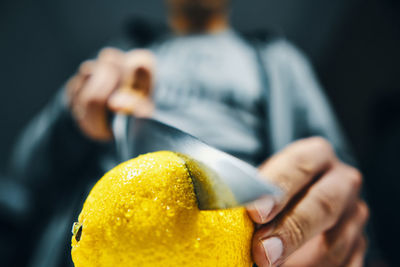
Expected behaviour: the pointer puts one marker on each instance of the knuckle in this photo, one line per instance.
(108, 54)
(105, 72)
(363, 211)
(85, 67)
(355, 177)
(295, 230)
(112, 71)
(105, 67)
(307, 151)
(304, 165)
(71, 83)
(320, 144)
(327, 206)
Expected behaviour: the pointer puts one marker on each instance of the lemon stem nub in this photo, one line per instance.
(77, 230)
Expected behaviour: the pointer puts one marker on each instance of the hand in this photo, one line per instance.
(115, 81)
(320, 217)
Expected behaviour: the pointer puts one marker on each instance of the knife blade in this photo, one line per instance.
(220, 180)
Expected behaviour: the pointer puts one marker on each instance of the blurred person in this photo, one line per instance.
(251, 95)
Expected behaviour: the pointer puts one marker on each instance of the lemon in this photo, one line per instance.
(144, 213)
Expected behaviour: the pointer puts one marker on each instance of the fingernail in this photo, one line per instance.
(273, 249)
(264, 207)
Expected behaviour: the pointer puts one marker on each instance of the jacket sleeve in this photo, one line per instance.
(51, 152)
(298, 105)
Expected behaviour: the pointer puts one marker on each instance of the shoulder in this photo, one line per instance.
(283, 52)
(276, 49)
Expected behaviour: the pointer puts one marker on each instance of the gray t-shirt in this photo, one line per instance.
(209, 85)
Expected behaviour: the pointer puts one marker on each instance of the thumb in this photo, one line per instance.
(138, 74)
(129, 102)
(134, 95)
(142, 81)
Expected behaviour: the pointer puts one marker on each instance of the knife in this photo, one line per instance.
(220, 180)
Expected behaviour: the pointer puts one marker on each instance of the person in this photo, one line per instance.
(249, 95)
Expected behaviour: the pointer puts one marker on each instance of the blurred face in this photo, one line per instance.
(197, 13)
(208, 6)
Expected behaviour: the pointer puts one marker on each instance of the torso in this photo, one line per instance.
(209, 86)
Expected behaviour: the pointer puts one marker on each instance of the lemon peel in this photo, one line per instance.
(144, 213)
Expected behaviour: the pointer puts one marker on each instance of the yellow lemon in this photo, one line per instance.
(144, 213)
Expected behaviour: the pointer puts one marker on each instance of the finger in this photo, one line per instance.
(103, 81)
(91, 104)
(311, 253)
(135, 100)
(107, 56)
(318, 210)
(292, 170)
(138, 71)
(341, 239)
(142, 81)
(112, 56)
(130, 103)
(72, 87)
(86, 67)
(334, 247)
(75, 84)
(133, 97)
(358, 255)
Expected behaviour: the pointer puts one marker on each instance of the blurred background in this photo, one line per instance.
(353, 44)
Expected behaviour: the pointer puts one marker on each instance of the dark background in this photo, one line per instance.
(353, 44)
